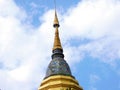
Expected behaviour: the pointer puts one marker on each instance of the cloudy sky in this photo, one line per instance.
(90, 35)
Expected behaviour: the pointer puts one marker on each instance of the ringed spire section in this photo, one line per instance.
(58, 66)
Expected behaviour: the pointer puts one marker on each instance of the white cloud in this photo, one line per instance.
(23, 53)
(94, 79)
(92, 19)
(98, 22)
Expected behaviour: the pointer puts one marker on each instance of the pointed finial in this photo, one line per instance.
(56, 22)
(57, 43)
(55, 4)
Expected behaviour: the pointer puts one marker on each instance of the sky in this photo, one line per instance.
(90, 36)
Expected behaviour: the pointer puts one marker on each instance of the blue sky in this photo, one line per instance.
(90, 36)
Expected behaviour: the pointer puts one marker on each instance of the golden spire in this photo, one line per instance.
(57, 43)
